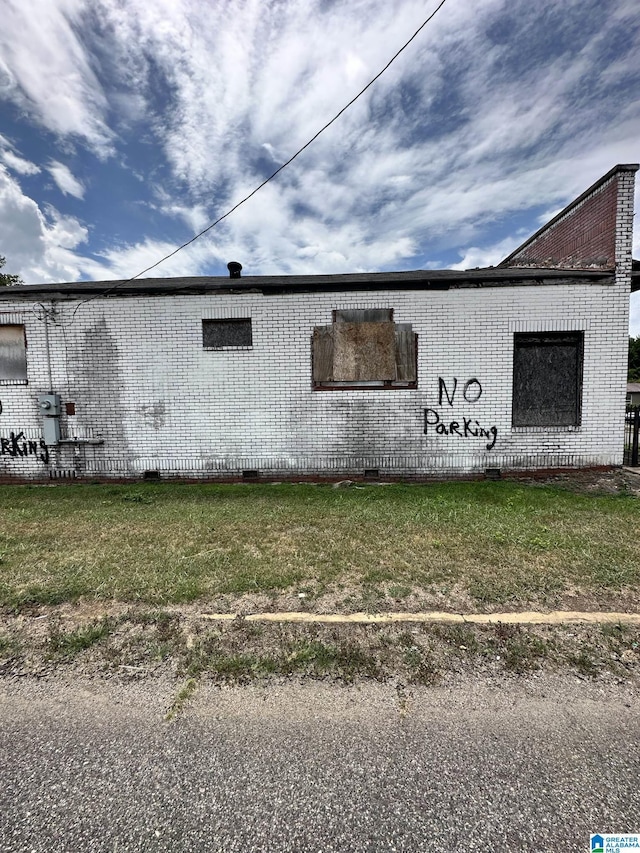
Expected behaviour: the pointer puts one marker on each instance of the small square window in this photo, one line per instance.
(227, 334)
(13, 354)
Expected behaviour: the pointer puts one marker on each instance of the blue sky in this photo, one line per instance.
(126, 126)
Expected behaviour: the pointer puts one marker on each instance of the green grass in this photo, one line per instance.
(140, 643)
(182, 697)
(68, 644)
(345, 660)
(10, 646)
(172, 543)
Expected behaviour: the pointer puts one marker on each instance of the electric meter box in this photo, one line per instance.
(50, 408)
(49, 404)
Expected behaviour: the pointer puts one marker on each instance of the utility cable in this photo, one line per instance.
(277, 171)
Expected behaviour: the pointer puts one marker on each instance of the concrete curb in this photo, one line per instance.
(530, 617)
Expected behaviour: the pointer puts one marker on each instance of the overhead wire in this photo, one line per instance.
(280, 168)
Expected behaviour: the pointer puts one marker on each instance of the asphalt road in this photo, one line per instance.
(509, 766)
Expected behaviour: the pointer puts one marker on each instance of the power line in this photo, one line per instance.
(277, 171)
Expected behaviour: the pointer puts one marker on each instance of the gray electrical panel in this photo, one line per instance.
(50, 408)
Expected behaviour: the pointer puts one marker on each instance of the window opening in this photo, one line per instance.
(227, 334)
(13, 354)
(364, 348)
(547, 379)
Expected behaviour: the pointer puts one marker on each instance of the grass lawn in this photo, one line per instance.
(500, 543)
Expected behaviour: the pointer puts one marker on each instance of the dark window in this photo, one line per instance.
(363, 315)
(547, 379)
(13, 354)
(364, 348)
(225, 334)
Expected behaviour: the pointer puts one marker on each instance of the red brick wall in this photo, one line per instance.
(583, 237)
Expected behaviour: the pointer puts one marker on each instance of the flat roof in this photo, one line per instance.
(276, 284)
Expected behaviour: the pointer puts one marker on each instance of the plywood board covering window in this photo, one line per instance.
(364, 348)
(13, 354)
(547, 379)
(364, 352)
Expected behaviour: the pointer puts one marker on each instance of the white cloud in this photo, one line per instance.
(19, 164)
(130, 107)
(289, 73)
(488, 256)
(48, 71)
(66, 182)
(39, 245)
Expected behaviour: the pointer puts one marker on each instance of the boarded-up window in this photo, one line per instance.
(364, 348)
(547, 379)
(227, 334)
(13, 354)
(363, 315)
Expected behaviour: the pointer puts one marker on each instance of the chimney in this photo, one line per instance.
(234, 269)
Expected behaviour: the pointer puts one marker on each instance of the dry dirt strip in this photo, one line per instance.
(527, 617)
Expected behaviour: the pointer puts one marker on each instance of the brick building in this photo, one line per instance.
(408, 374)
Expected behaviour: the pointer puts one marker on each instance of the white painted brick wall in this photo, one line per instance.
(141, 381)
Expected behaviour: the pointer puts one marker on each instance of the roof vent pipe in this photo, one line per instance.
(234, 269)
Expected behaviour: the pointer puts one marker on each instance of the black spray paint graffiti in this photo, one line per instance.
(471, 392)
(18, 445)
(467, 427)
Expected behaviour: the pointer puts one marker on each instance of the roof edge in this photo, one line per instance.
(407, 280)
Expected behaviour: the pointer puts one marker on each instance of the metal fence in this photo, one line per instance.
(631, 434)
